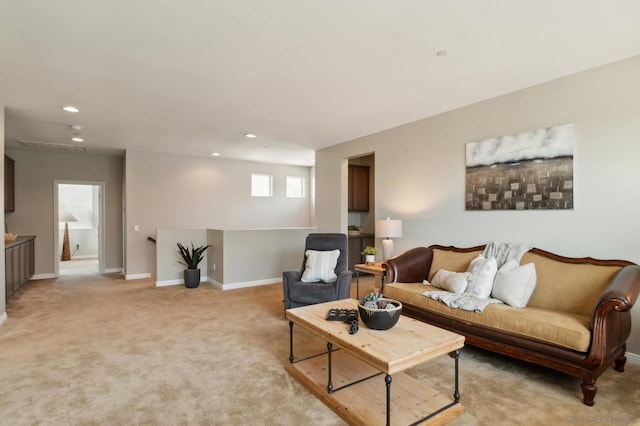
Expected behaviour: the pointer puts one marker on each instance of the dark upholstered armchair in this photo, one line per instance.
(298, 293)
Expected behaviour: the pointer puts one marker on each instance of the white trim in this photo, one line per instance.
(3, 318)
(166, 283)
(84, 256)
(137, 276)
(112, 270)
(215, 283)
(256, 283)
(633, 358)
(43, 276)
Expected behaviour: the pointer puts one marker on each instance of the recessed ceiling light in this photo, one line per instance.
(215, 154)
(441, 53)
(70, 108)
(250, 136)
(77, 139)
(76, 127)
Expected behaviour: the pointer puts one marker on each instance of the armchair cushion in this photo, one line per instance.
(320, 266)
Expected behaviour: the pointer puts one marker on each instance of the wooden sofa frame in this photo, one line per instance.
(610, 321)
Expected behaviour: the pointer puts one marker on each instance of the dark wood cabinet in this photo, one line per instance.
(19, 264)
(9, 185)
(356, 245)
(358, 188)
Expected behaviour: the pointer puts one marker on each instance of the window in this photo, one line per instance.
(295, 187)
(261, 185)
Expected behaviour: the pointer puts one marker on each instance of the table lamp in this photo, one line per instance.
(388, 229)
(66, 217)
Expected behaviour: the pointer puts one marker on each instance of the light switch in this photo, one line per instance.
(136, 228)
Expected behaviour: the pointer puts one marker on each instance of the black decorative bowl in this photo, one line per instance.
(380, 319)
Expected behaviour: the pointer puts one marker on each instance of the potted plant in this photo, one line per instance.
(353, 230)
(192, 258)
(379, 312)
(369, 254)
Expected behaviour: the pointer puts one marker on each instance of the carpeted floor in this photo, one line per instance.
(98, 350)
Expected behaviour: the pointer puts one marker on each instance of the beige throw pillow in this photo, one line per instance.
(514, 284)
(320, 266)
(455, 282)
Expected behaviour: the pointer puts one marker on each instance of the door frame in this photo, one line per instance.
(101, 228)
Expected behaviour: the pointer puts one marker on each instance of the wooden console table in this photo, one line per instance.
(377, 269)
(19, 263)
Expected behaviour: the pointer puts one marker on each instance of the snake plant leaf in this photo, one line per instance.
(192, 256)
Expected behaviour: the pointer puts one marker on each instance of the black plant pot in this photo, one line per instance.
(191, 278)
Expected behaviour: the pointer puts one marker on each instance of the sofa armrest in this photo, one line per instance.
(623, 290)
(611, 320)
(412, 266)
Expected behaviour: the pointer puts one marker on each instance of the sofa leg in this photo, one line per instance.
(620, 362)
(589, 390)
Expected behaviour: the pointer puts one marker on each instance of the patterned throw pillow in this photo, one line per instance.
(482, 271)
(320, 266)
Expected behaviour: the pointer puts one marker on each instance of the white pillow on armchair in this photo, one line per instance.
(320, 266)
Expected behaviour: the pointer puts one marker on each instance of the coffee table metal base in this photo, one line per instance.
(357, 395)
(411, 399)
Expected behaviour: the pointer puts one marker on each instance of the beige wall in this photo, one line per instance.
(35, 174)
(176, 192)
(168, 269)
(420, 171)
(271, 251)
(3, 306)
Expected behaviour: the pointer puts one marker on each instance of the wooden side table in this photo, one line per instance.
(377, 269)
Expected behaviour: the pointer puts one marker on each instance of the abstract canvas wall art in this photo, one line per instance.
(523, 171)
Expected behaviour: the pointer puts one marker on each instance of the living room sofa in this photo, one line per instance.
(576, 321)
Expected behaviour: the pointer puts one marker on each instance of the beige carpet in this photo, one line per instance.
(103, 351)
(79, 266)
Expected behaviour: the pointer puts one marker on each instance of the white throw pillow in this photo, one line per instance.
(455, 282)
(482, 271)
(320, 266)
(514, 284)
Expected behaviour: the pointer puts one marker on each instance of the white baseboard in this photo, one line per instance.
(43, 276)
(256, 283)
(633, 358)
(3, 318)
(137, 276)
(112, 270)
(215, 283)
(165, 283)
(84, 256)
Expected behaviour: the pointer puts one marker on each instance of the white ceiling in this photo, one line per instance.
(194, 76)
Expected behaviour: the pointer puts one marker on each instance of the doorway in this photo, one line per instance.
(360, 206)
(78, 225)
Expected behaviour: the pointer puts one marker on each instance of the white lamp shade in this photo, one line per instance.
(66, 216)
(388, 228)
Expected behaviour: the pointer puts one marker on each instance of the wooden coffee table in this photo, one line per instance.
(353, 379)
